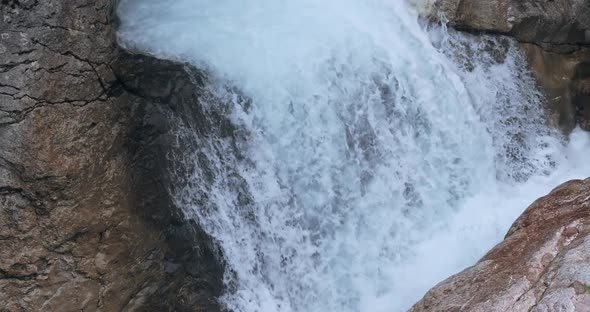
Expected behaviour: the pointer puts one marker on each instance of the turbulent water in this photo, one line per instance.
(371, 155)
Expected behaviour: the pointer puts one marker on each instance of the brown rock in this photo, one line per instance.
(86, 219)
(543, 263)
(581, 92)
(555, 36)
(564, 78)
(555, 24)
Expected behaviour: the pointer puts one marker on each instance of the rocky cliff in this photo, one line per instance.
(556, 38)
(86, 220)
(542, 265)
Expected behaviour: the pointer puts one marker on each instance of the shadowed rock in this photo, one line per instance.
(565, 83)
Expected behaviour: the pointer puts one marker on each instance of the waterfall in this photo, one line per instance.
(367, 155)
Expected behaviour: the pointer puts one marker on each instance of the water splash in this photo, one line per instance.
(370, 157)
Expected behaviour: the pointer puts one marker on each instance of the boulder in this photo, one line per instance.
(542, 265)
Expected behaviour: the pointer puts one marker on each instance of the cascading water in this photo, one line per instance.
(371, 156)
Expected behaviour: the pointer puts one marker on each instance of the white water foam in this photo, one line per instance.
(380, 157)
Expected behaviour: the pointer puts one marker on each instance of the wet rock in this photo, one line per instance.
(564, 80)
(555, 36)
(87, 222)
(542, 265)
(581, 92)
(556, 24)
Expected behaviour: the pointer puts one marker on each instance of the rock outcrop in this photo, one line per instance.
(556, 37)
(554, 24)
(86, 219)
(542, 265)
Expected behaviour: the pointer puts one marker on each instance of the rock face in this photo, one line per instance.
(546, 22)
(565, 80)
(86, 219)
(581, 95)
(556, 37)
(542, 265)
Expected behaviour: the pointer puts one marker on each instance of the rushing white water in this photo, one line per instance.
(377, 157)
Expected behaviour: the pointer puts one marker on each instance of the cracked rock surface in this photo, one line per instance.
(86, 221)
(542, 265)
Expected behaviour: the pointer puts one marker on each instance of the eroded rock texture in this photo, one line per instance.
(86, 222)
(542, 265)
